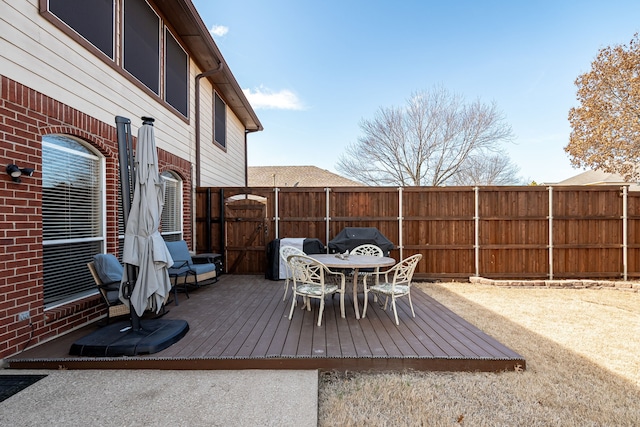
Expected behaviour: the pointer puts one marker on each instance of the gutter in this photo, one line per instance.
(197, 114)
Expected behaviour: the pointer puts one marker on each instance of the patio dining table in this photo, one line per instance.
(355, 262)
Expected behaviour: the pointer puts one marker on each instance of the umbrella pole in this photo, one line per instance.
(127, 177)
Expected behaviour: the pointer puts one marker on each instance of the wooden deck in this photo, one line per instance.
(241, 322)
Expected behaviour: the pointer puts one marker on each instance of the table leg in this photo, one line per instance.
(355, 293)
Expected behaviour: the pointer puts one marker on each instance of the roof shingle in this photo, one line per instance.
(296, 176)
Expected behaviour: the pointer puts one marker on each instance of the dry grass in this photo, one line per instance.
(583, 369)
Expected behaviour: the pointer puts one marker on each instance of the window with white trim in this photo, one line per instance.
(72, 217)
(171, 219)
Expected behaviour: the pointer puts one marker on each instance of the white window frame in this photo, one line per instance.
(76, 270)
(177, 231)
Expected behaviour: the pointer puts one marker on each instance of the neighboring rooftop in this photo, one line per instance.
(598, 177)
(296, 176)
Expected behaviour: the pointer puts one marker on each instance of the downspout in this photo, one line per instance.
(246, 156)
(197, 114)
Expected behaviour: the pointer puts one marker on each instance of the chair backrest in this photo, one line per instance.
(307, 270)
(403, 271)
(367, 249)
(108, 268)
(179, 252)
(285, 252)
(110, 295)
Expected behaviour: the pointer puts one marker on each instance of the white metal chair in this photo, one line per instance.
(313, 279)
(393, 283)
(286, 252)
(367, 249)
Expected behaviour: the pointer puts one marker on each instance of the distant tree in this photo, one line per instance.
(427, 142)
(606, 125)
(487, 169)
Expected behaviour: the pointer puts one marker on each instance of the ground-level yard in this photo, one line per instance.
(583, 368)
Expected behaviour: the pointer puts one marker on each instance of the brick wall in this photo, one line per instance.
(25, 116)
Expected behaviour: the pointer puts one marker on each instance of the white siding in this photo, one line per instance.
(37, 54)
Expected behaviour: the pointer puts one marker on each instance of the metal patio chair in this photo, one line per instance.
(393, 283)
(285, 252)
(313, 280)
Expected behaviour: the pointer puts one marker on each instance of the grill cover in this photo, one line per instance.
(350, 237)
(309, 246)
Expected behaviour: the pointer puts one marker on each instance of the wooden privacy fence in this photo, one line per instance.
(532, 232)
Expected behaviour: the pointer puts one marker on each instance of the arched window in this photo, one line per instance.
(171, 221)
(72, 217)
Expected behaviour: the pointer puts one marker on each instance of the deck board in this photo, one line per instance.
(241, 322)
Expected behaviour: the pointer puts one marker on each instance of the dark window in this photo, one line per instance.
(142, 43)
(220, 122)
(92, 19)
(175, 74)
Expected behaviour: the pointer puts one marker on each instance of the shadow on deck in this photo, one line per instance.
(241, 322)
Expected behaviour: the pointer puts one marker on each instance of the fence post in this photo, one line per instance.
(476, 218)
(276, 219)
(550, 232)
(327, 218)
(400, 218)
(625, 241)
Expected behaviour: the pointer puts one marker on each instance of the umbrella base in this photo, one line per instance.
(113, 340)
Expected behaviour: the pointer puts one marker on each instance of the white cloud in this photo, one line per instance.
(263, 98)
(219, 30)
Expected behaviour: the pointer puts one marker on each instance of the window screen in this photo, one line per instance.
(142, 43)
(92, 19)
(176, 82)
(220, 122)
(72, 217)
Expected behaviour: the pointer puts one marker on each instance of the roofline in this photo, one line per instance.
(188, 24)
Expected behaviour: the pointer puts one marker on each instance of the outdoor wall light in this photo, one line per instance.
(15, 172)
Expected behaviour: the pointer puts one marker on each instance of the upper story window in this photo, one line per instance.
(176, 71)
(142, 43)
(220, 121)
(92, 19)
(145, 51)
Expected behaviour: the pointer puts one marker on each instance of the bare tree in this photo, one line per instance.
(426, 142)
(488, 169)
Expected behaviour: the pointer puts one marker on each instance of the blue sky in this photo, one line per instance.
(313, 70)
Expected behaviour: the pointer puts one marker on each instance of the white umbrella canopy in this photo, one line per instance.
(144, 247)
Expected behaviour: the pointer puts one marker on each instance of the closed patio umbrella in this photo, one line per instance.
(144, 247)
(145, 283)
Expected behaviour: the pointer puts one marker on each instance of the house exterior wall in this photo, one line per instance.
(49, 83)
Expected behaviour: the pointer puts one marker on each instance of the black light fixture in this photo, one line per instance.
(15, 172)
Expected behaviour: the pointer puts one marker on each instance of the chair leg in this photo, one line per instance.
(321, 311)
(294, 298)
(342, 304)
(411, 304)
(286, 289)
(366, 303)
(186, 290)
(175, 290)
(395, 312)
